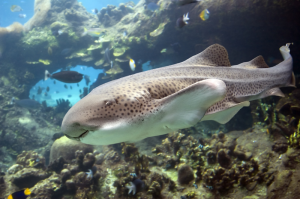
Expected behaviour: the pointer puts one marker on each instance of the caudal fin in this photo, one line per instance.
(84, 32)
(47, 75)
(285, 52)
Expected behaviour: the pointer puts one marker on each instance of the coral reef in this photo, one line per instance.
(206, 161)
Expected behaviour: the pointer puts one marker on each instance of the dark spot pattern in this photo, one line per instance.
(133, 97)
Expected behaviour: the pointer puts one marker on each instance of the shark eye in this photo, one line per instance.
(108, 103)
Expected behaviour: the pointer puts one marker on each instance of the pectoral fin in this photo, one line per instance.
(224, 116)
(186, 107)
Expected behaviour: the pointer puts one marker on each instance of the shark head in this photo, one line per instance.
(87, 117)
(163, 100)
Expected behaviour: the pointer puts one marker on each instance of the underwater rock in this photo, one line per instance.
(89, 160)
(65, 175)
(64, 147)
(154, 189)
(31, 159)
(211, 157)
(223, 158)
(241, 153)
(185, 174)
(46, 188)
(111, 15)
(119, 51)
(112, 157)
(280, 146)
(14, 168)
(28, 177)
(41, 9)
(279, 188)
(159, 30)
(99, 158)
(57, 25)
(74, 15)
(12, 32)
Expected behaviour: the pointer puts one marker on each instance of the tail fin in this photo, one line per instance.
(84, 32)
(285, 51)
(12, 101)
(47, 75)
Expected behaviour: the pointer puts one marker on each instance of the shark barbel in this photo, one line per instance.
(163, 100)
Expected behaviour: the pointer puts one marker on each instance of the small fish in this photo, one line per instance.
(40, 90)
(89, 174)
(135, 186)
(46, 94)
(80, 90)
(50, 50)
(182, 21)
(95, 10)
(184, 2)
(168, 50)
(15, 8)
(94, 32)
(209, 187)
(22, 194)
(133, 175)
(47, 89)
(54, 82)
(124, 33)
(200, 146)
(66, 86)
(77, 85)
(87, 79)
(65, 76)
(12, 101)
(71, 87)
(195, 185)
(22, 16)
(27, 103)
(204, 15)
(152, 6)
(132, 64)
(69, 96)
(57, 32)
(107, 55)
(66, 51)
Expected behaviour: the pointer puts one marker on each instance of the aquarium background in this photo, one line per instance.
(254, 155)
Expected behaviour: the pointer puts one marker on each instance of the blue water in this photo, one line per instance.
(58, 90)
(7, 17)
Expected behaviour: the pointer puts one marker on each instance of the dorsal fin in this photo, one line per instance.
(257, 62)
(214, 55)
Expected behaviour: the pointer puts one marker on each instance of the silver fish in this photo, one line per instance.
(163, 100)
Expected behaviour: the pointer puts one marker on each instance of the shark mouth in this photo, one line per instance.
(79, 137)
(84, 134)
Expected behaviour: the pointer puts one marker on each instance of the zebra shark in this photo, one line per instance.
(163, 100)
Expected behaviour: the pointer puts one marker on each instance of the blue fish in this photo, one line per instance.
(66, 51)
(27, 103)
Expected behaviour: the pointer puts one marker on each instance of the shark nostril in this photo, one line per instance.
(76, 124)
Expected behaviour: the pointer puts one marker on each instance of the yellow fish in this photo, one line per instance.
(132, 64)
(15, 8)
(204, 15)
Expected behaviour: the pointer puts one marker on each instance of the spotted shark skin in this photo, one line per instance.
(163, 100)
